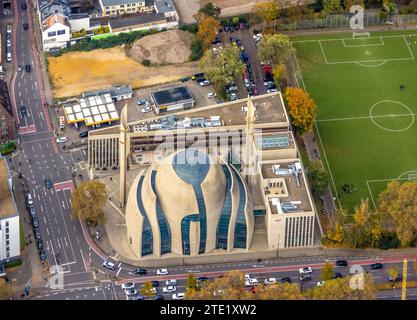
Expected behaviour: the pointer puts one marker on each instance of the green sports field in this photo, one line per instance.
(366, 126)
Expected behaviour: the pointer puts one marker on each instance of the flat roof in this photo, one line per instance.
(171, 96)
(135, 20)
(295, 193)
(7, 206)
(274, 141)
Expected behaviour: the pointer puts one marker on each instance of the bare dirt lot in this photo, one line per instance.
(232, 7)
(77, 72)
(170, 47)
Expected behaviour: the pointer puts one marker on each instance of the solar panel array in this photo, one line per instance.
(92, 110)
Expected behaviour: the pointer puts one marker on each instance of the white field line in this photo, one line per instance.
(368, 117)
(370, 192)
(338, 39)
(363, 45)
(322, 51)
(408, 46)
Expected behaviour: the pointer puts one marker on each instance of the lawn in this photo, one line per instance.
(365, 125)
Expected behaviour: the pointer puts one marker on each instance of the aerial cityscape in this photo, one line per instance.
(208, 150)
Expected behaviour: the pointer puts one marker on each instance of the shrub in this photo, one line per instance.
(7, 148)
(196, 50)
(192, 27)
(146, 62)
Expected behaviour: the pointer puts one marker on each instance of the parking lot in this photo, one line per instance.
(198, 92)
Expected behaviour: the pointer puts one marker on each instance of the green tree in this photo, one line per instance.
(266, 11)
(318, 177)
(196, 49)
(399, 203)
(222, 67)
(327, 272)
(348, 3)
(88, 200)
(329, 6)
(388, 6)
(6, 290)
(147, 289)
(302, 109)
(275, 49)
(208, 10)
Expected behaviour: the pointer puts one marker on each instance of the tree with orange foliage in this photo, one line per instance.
(302, 109)
(207, 30)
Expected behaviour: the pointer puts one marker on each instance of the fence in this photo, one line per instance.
(334, 21)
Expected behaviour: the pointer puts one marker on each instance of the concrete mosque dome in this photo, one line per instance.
(188, 205)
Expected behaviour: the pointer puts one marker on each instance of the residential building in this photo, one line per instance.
(121, 7)
(9, 217)
(56, 32)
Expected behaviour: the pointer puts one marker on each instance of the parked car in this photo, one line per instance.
(131, 292)
(211, 95)
(204, 83)
(246, 25)
(337, 275)
(146, 109)
(218, 292)
(169, 289)
(285, 279)
(32, 211)
(48, 183)
(320, 283)
(185, 79)
(61, 139)
(172, 282)
(178, 296)
(341, 263)
(40, 244)
(155, 283)
(83, 134)
(42, 255)
(29, 199)
(251, 282)
(28, 68)
(37, 233)
(270, 281)
(161, 271)
(109, 265)
(139, 271)
(35, 222)
(128, 286)
(142, 102)
(201, 279)
(376, 266)
(158, 297)
(305, 270)
(137, 297)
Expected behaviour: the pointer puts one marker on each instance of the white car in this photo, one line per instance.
(211, 95)
(109, 265)
(62, 139)
(171, 282)
(251, 282)
(146, 109)
(270, 281)
(131, 292)
(169, 289)
(153, 290)
(271, 90)
(205, 83)
(219, 292)
(305, 270)
(128, 285)
(178, 296)
(248, 276)
(161, 272)
(320, 283)
(29, 199)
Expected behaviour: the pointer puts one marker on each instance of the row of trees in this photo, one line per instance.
(392, 224)
(6, 290)
(231, 287)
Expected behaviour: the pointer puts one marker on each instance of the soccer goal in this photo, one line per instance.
(361, 35)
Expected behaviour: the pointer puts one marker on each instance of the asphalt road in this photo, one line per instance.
(40, 157)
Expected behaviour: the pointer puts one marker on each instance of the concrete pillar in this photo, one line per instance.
(124, 128)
